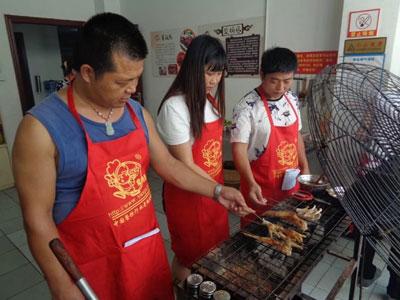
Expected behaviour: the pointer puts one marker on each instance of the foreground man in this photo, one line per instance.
(265, 136)
(80, 160)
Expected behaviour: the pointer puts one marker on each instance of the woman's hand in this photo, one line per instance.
(233, 200)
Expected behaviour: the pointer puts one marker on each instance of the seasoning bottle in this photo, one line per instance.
(221, 295)
(193, 282)
(207, 289)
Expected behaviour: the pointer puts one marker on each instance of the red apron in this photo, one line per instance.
(197, 223)
(269, 169)
(115, 206)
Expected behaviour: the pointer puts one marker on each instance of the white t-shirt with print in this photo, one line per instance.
(251, 125)
(173, 121)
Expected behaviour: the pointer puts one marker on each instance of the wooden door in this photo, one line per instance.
(26, 96)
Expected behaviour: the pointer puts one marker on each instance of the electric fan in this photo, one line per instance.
(354, 120)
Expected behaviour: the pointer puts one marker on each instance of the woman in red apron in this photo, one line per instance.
(113, 234)
(191, 122)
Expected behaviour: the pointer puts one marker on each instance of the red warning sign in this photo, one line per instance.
(314, 62)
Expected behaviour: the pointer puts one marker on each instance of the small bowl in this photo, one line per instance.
(309, 182)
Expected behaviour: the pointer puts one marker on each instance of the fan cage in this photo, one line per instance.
(354, 121)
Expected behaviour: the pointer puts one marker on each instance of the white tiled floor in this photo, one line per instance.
(323, 277)
(20, 278)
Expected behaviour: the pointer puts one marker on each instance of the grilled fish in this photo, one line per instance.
(288, 216)
(283, 247)
(283, 233)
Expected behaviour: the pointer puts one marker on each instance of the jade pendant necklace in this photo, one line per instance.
(109, 127)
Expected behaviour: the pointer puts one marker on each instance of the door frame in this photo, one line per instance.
(10, 20)
(26, 97)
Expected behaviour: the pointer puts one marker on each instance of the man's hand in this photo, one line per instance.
(233, 200)
(239, 151)
(301, 152)
(255, 194)
(305, 171)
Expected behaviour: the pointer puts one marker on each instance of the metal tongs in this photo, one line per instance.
(302, 195)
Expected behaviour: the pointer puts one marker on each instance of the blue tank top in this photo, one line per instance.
(70, 142)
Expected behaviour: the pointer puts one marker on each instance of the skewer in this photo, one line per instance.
(259, 218)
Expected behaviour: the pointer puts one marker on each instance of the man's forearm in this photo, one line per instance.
(199, 171)
(57, 278)
(244, 169)
(242, 163)
(180, 175)
(303, 161)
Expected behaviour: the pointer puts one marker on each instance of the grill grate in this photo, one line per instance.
(250, 270)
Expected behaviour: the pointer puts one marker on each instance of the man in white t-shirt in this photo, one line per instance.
(265, 134)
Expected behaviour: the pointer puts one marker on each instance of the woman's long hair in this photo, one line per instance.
(204, 51)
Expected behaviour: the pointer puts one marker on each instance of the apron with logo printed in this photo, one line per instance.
(198, 223)
(269, 169)
(112, 234)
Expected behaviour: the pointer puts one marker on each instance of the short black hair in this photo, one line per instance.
(101, 36)
(278, 60)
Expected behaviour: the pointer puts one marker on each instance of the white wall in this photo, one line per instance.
(43, 54)
(307, 25)
(389, 27)
(155, 15)
(395, 61)
(10, 107)
(112, 6)
(300, 25)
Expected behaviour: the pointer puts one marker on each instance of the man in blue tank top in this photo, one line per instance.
(80, 158)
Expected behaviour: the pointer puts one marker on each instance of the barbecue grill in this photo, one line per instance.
(251, 270)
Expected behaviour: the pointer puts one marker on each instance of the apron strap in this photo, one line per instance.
(71, 105)
(294, 110)
(261, 92)
(264, 99)
(134, 117)
(213, 101)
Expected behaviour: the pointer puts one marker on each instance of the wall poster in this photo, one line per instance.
(168, 48)
(314, 62)
(244, 44)
(243, 41)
